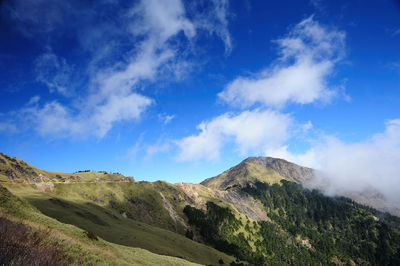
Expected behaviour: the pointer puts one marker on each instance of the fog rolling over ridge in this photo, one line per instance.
(369, 169)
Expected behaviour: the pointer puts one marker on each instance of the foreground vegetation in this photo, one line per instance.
(21, 245)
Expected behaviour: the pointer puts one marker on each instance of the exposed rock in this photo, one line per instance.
(45, 187)
(193, 197)
(172, 212)
(244, 203)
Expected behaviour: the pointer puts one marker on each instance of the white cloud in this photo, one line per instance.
(308, 55)
(307, 159)
(54, 119)
(356, 167)
(250, 131)
(119, 108)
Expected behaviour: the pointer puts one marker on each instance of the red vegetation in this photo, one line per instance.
(19, 245)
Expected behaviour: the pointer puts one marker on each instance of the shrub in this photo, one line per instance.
(20, 245)
(91, 235)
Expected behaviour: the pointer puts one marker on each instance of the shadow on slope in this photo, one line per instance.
(117, 229)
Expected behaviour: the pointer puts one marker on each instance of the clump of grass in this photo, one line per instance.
(19, 245)
(91, 235)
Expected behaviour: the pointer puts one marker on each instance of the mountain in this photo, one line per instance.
(272, 170)
(263, 169)
(257, 212)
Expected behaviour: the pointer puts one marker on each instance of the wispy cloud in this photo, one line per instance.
(157, 148)
(159, 32)
(54, 72)
(7, 127)
(307, 56)
(215, 20)
(165, 118)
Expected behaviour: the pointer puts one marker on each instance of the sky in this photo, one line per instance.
(182, 90)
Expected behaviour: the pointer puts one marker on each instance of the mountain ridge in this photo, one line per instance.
(251, 212)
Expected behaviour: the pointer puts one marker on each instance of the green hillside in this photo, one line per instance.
(15, 170)
(306, 228)
(77, 247)
(255, 213)
(87, 206)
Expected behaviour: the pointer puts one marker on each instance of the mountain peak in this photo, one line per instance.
(285, 168)
(264, 169)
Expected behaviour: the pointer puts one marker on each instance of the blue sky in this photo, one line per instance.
(182, 90)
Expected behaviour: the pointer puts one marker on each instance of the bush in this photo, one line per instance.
(20, 245)
(189, 234)
(91, 235)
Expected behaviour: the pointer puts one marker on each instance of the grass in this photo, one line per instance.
(16, 170)
(77, 247)
(87, 207)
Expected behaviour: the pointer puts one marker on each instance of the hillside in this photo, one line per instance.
(15, 170)
(128, 214)
(321, 229)
(256, 212)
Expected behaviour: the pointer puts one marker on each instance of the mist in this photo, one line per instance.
(370, 168)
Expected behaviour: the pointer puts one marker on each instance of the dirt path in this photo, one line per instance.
(83, 182)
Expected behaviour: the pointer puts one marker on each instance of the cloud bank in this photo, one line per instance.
(362, 166)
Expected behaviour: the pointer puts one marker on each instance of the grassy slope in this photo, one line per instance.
(79, 249)
(16, 170)
(70, 204)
